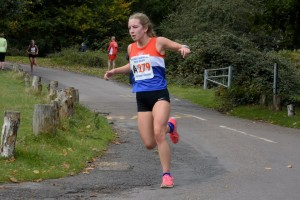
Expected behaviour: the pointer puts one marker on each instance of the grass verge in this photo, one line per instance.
(82, 137)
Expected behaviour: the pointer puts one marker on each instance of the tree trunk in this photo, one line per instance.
(277, 103)
(43, 119)
(9, 133)
(262, 100)
(36, 84)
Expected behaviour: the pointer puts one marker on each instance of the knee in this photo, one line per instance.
(150, 146)
(159, 135)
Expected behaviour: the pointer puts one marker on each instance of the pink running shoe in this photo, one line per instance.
(167, 181)
(174, 135)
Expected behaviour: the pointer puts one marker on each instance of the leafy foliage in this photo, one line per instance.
(57, 24)
(220, 36)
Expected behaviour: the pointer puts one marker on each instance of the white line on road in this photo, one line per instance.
(261, 138)
(192, 116)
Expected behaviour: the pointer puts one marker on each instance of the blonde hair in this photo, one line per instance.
(145, 21)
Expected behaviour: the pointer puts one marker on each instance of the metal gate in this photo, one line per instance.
(220, 76)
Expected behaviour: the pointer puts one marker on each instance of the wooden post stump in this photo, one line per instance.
(291, 110)
(43, 119)
(53, 87)
(56, 108)
(16, 67)
(27, 80)
(36, 84)
(9, 133)
(69, 102)
(76, 99)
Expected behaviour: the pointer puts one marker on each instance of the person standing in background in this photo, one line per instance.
(32, 52)
(112, 53)
(3, 48)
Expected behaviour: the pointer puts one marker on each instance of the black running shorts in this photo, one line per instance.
(146, 100)
(2, 57)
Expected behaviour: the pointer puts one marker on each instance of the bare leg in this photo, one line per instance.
(161, 112)
(113, 64)
(108, 65)
(31, 64)
(153, 128)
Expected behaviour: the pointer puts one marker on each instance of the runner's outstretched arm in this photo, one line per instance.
(120, 70)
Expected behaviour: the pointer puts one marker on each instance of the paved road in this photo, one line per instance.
(218, 157)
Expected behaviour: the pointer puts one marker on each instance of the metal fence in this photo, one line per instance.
(220, 76)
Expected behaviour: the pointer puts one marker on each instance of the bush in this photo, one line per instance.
(252, 69)
(72, 56)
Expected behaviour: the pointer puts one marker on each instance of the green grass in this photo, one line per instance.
(266, 114)
(205, 98)
(81, 138)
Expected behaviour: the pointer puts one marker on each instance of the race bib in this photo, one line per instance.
(32, 49)
(111, 51)
(141, 67)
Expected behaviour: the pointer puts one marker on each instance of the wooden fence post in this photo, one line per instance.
(16, 67)
(27, 80)
(291, 110)
(9, 133)
(76, 99)
(53, 87)
(36, 84)
(43, 119)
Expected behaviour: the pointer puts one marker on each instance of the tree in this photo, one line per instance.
(56, 24)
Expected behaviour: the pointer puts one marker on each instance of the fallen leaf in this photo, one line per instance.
(36, 171)
(72, 173)
(93, 195)
(88, 126)
(14, 180)
(65, 165)
(116, 142)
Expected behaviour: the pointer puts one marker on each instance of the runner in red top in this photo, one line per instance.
(112, 53)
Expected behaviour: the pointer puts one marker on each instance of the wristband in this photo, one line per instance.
(185, 46)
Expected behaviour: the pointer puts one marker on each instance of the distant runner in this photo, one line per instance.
(32, 51)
